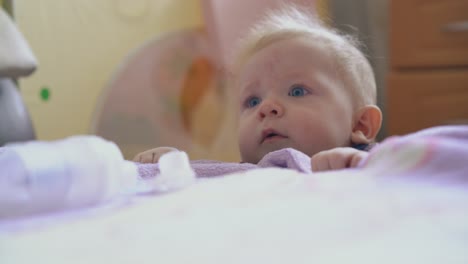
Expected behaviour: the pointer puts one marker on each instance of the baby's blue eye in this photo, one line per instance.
(298, 91)
(252, 102)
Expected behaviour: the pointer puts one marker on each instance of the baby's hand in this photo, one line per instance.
(337, 158)
(152, 155)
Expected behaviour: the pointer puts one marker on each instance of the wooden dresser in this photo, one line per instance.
(428, 73)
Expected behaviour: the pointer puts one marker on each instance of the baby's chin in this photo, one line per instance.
(252, 157)
(258, 154)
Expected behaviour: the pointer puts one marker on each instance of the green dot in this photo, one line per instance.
(45, 93)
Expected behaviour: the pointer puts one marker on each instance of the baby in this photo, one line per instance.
(302, 85)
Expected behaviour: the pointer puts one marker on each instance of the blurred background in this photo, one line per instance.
(148, 73)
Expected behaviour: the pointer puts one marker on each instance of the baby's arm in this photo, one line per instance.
(152, 155)
(337, 158)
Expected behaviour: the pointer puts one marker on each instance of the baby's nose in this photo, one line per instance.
(270, 108)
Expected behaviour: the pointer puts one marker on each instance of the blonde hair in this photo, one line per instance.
(290, 22)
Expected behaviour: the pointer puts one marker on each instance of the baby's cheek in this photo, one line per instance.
(316, 139)
(338, 132)
(247, 153)
(244, 140)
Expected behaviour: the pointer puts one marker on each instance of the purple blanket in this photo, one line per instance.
(285, 158)
(434, 151)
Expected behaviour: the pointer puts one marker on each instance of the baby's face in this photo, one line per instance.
(290, 96)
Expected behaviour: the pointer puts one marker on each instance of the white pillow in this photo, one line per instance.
(16, 58)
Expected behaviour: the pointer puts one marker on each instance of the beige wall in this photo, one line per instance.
(79, 43)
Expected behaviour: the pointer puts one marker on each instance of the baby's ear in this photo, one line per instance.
(367, 122)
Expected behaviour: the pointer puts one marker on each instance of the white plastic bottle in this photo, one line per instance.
(78, 171)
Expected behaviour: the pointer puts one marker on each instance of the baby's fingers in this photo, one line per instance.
(357, 157)
(337, 158)
(144, 157)
(152, 155)
(320, 162)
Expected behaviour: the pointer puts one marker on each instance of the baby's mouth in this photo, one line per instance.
(270, 135)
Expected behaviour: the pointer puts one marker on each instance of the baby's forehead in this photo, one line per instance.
(341, 56)
(290, 55)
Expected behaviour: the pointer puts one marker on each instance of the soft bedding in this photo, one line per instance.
(406, 203)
